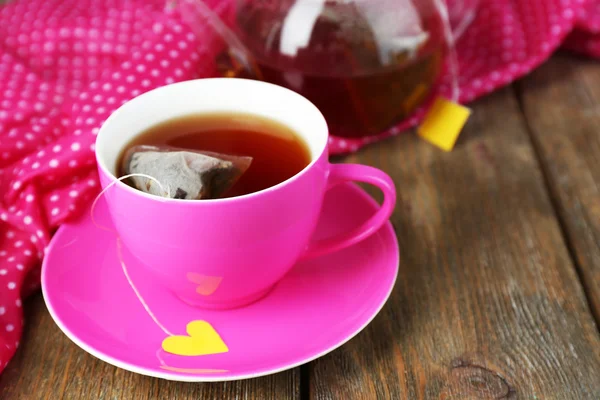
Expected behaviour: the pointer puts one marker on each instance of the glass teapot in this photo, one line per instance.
(365, 64)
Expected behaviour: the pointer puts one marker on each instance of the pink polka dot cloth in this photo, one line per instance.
(585, 37)
(65, 65)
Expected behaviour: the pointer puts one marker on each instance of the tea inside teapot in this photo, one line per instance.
(365, 64)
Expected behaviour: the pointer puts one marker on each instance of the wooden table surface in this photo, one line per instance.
(498, 295)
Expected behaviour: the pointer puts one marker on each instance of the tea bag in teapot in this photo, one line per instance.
(184, 174)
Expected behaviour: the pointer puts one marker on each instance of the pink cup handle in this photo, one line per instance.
(361, 173)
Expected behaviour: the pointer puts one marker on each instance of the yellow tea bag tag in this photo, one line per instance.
(443, 123)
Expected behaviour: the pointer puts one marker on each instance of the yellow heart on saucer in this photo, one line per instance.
(202, 340)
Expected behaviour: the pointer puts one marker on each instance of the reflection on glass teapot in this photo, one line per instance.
(365, 64)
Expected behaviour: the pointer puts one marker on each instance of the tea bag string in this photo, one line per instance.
(452, 56)
(120, 245)
(165, 191)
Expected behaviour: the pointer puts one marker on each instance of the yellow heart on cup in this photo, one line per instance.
(202, 340)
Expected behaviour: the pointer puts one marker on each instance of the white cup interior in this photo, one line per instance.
(209, 96)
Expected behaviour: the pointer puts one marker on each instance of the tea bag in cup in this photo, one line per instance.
(184, 174)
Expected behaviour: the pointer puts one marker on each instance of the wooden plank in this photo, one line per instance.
(49, 366)
(488, 304)
(561, 101)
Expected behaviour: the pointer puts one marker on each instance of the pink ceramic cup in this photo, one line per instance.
(229, 252)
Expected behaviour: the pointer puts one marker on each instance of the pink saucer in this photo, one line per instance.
(317, 307)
